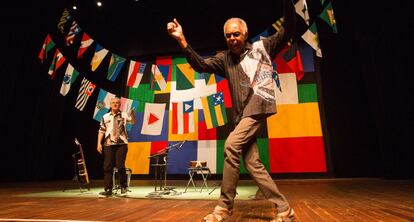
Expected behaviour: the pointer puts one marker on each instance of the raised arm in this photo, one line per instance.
(176, 31)
(278, 40)
(211, 65)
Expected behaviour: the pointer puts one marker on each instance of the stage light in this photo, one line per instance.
(99, 3)
(74, 7)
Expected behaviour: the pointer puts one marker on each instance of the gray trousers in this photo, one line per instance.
(242, 142)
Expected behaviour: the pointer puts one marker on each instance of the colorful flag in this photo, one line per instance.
(153, 118)
(84, 45)
(290, 60)
(311, 37)
(103, 104)
(100, 53)
(182, 117)
(214, 110)
(73, 31)
(302, 9)
(70, 77)
(278, 24)
(328, 16)
(63, 19)
(135, 73)
(185, 76)
(115, 66)
(57, 62)
(127, 105)
(48, 44)
(160, 73)
(85, 91)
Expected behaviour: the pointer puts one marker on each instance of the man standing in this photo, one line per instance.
(113, 131)
(248, 67)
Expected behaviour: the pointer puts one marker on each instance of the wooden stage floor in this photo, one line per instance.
(362, 199)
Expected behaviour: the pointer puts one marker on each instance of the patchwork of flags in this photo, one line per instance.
(173, 102)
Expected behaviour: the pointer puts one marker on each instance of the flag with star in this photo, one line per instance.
(311, 37)
(214, 110)
(328, 16)
(73, 31)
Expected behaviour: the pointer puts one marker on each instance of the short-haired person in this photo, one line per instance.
(248, 68)
(112, 132)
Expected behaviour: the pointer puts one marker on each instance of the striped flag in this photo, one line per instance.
(311, 37)
(57, 62)
(48, 44)
(183, 117)
(135, 73)
(103, 103)
(73, 31)
(100, 53)
(115, 66)
(70, 77)
(214, 110)
(153, 118)
(84, 45)
(85, 91)
(301, 9)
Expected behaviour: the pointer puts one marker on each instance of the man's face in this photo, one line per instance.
(115, 104)
(235, 37)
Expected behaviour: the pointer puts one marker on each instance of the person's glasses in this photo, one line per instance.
(235, 34)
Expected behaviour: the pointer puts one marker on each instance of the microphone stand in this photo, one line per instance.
(164, 190)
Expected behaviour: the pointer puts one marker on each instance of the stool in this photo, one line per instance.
(204, 171)
(116, 186)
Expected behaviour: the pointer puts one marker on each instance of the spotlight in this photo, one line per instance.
(99, 3)
(74, 7)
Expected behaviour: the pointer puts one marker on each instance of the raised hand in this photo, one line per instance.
(175, 30)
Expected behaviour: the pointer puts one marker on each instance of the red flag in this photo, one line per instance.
(290, 61)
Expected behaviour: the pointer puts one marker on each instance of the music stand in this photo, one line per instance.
(160, 178)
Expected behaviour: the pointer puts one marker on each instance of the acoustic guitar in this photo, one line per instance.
(82, 171)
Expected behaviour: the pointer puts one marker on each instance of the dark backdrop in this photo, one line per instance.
(365, 78)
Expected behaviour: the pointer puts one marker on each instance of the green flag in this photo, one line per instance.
(328, 16)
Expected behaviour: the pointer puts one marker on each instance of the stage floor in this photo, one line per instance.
(361, 199)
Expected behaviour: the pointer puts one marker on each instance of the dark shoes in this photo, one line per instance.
(104, 194)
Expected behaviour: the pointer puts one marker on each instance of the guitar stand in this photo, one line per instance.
(76, 177)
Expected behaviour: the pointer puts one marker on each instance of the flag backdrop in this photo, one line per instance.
(173, 103)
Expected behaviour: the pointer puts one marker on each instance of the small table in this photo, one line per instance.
(203, 171)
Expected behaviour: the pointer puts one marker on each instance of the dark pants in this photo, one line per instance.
(115, 155)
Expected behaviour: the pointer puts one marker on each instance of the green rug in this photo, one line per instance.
(148, 192)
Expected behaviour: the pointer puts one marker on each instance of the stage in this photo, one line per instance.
(353, 199)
